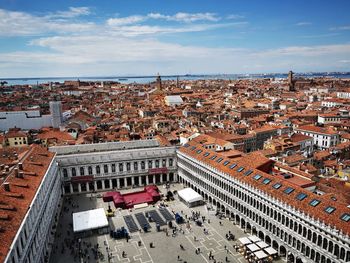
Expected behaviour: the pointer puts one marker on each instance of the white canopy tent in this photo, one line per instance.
(254, 239)
(245, 241)
(262, 244)
(270, 251)
(260, 254)
(190, 197)
(89, 220)
(253, 247)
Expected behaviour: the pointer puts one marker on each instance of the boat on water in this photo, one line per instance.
(122, 79)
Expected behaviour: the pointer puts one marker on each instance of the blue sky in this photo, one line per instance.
(99, 38)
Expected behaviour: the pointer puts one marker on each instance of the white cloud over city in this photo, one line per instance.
(64, 44)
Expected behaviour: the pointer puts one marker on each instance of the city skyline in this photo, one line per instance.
(40, 39)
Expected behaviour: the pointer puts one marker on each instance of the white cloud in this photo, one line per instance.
(137, 30)
(303, 24)
(234, 16)
(340, 28)
(186, 17)
(306, 51)
(72, 12)
(112, 47)
(23, 24)
(115, 55)
(125, 20)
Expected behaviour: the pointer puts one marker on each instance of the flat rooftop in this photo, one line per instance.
(103, 147)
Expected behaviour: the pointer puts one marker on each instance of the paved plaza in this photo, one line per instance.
(166, 247)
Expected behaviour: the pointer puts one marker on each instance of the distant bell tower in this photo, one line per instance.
(291, 81)
(159, 82)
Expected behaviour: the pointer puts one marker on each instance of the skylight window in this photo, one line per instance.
(213, 157)
(186, 145)
(248, 172)
(233, 166)
(345, 217)
(193, 147)
(301, 196)
(288, 190)
(219, 160)
(257, 176)
(314, 202)
(206, 154)
(240, 169)
(266, 181)
(226, 163)
(329, 209)
(277, 185)
(199, 151)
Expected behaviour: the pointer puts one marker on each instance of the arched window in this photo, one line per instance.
(90, 170)
(74, 173)
(65, 173)
(98, 169)
(143, 165)
(82, 171)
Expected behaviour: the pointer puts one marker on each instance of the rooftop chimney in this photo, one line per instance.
(16, 172)
(2, 166)
(7, 168)
(7, 187)
(20, 166)
(20, 174)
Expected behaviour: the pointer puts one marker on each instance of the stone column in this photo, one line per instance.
(87, 187)
(79, 188)
(103, 184)
(161, 178)
(71, 188)
(133, 180)
(154, 179)
(125, 182)
(95, 185)
(118, 183)
(147, 181)
(110, 184)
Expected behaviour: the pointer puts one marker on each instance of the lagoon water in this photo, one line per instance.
(148, 79)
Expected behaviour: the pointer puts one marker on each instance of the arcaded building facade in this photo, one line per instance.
(106, 166)
(300, 224)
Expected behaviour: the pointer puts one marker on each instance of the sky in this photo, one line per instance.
(145, 37)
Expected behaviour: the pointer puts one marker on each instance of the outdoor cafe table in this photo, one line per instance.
(253, 247)
(262, 244)
(260, 254)
(244, 240)
(270, 251)
(254, 239)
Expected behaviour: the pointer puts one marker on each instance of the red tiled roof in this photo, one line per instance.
(316, 129)
(332, 219)
(22, 192)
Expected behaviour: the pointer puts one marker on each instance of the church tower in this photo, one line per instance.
(159, 82)
(291, 82)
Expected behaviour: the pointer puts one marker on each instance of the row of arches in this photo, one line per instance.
(261, 214)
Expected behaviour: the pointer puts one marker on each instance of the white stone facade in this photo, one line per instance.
(291, 232)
